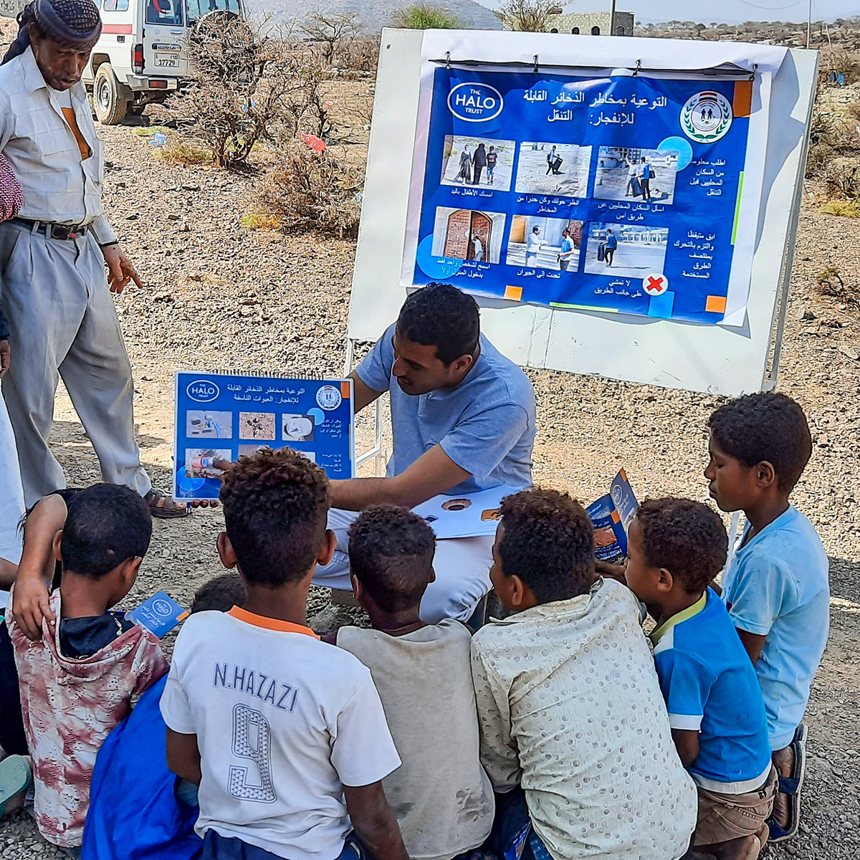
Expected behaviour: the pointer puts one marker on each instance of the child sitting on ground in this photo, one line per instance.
(158, 812)
(284, 734)
(675, 548)
(776, 588)
(86, 672)
(440, 795)
(574, 730)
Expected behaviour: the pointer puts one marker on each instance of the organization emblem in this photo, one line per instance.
(328, 397)
(707, 117)
(202, 391)
(475, 102)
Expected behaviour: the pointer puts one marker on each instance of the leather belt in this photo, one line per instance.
(53, 231)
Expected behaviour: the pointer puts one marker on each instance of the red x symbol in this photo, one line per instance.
(654, 285)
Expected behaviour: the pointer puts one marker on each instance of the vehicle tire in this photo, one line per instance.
(109, 100)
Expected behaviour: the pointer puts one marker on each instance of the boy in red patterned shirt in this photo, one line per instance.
(87, 671)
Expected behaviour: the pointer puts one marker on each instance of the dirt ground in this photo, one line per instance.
(219, 296)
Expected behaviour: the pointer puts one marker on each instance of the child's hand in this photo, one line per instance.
(610, 571)
(30, 605)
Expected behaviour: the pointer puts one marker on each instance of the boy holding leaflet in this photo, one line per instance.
(441, 795)
(574, 731)
(284, 734)
(716, 710)
(776, 588)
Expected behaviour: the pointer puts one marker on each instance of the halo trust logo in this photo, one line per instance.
(202, 390)
(707, 117)
(475, 102)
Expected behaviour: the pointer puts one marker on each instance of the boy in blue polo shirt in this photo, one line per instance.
(715, 705)
(776, 588)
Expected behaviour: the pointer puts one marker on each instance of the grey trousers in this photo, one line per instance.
(63, 323)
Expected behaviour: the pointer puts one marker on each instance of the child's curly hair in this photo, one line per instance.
(761, 427)
(548, 542)
(686, 538)
(275, 508)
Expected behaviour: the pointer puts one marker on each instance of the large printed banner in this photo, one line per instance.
(618, 193)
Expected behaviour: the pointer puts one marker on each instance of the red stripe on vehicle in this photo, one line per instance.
(116, 29)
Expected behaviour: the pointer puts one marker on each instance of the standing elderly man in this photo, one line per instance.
(53, 255)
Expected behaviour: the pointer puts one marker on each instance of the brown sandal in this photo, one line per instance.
(164, 508)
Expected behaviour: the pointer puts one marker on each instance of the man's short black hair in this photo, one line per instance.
(221, 594)
(106, 525)
(391, 553)
(275, 509)
(686, 538)
(548, 542)
(442, 316)
(765, 427)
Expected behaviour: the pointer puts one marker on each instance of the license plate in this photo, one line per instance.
(166, 61)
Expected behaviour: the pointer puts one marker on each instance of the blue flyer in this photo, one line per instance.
(610, 516)
(611, 193)
(160, 614)
(220, 417)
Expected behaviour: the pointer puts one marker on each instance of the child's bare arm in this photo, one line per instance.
(374, 821)
(183, 756)
(30, 603)
(753, 642)
(687, 744)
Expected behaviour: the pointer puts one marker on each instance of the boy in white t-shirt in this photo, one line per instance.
(441, 796)
(284, 734)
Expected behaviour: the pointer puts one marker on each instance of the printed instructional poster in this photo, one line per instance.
(618, 193)
(220, 417)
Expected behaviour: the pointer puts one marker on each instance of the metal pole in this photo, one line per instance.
(809, 26)
(612, 18)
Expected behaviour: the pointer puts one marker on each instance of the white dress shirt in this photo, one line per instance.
(59, 187)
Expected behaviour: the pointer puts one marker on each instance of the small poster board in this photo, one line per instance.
(220, 417)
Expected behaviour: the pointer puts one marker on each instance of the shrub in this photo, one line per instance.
(425, 17)
(312, 190)
(842, 180)
(179, 151)
(246, 87)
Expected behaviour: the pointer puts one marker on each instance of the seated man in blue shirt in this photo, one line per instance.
(463, 420)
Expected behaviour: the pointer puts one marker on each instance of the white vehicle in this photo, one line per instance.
(139, 57)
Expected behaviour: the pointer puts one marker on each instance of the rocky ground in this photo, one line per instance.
(218, 296)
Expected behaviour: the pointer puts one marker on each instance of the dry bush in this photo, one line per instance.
(312, 190)
(527, 15)
(841, 180)
(246, 87)
(829, 282)
(358, 55)
(329, 34)
(179, 151)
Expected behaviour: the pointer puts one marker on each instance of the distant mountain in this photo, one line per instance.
(373, 14)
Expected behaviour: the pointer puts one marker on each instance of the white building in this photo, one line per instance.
(591, 23)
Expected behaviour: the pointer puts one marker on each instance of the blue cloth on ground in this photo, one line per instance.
(777, 586)
(486, 425)
(134, 813)
(710, 686)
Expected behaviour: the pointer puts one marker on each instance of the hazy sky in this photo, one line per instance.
(731, 11)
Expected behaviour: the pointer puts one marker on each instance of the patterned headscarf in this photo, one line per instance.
(70, 23)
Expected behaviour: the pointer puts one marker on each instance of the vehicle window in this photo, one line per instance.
(115, 6)
(168, 12)
(198, 8)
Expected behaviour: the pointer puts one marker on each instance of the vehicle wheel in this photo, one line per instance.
(109, 101)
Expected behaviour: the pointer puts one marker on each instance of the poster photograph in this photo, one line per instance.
(647, 174)
(477, 162)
